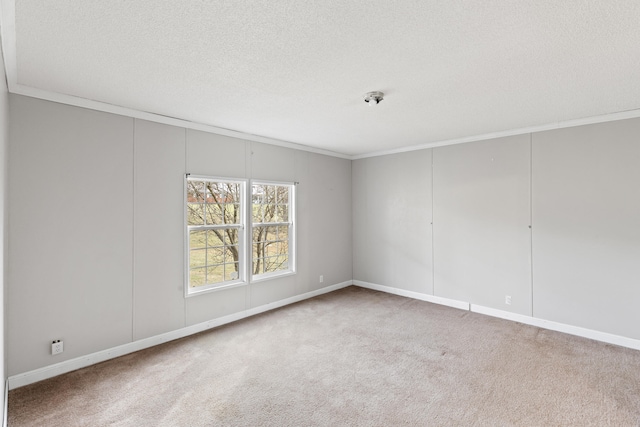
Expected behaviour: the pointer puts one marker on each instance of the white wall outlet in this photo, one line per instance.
(57, 347)
(507, 299)
(321, 278)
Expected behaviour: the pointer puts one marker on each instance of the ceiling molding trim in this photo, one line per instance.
(143, 115)
(158, 118)
(622, 115)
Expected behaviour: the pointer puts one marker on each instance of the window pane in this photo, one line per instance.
(227, 192)
(215, 194)
(256, 213)
(265, 251)
(283, 195)
(215, 238)
(258, 234)
(230, 236)
(270, 193)
(270, 264)
(257, 194)
(197, 239)
(215, 274)
(278, 249)
(282, 262)
(197, 258)
(214, 214)
(197, 277)
(233, 193)
(283, 232)
(266, 211)
(271, 233)
(215, 255)
(283, 213)
(231, 213)
(231, 254)
(195, 191)
(195, 214)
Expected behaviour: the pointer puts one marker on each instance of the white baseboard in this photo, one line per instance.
(527, 320)
(415, 295)
(559, 327)
(40, 374)
(50, 371)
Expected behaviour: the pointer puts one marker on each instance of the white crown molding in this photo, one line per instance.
(18, 89)
(621, 115)
(51, 371)
(153, 117)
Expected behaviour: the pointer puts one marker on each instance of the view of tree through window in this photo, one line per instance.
(272, 227)
(214, 224)
(218, 245)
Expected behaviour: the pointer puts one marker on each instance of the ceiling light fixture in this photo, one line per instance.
(373, 98)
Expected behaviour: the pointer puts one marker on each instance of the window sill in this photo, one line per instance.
(194, 292)
(270, 276)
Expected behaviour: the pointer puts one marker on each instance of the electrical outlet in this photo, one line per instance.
(507, 299)
(321, 278)
(57, 347)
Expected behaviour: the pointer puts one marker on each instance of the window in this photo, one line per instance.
(272, 226)
(215, 233)
(216, 241)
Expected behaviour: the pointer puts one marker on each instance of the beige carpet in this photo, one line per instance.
(350, 358)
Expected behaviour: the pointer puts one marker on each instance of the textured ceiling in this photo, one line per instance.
(297, 70)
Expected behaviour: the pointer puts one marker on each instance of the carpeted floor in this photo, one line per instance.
(354, 357)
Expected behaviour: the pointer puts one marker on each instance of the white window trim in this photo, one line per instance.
(242, 238)
(292, 232)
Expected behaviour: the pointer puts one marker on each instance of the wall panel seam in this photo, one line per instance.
(133, 233)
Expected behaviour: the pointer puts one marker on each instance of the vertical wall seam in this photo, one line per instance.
(531, 217)
(133, 235)
(433, 258)
(353, 250)
(6, 259)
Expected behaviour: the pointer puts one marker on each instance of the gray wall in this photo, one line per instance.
(481, 203)
(4, 141)
(96, 236)
(96, 227)
(392, 221)
(577, 187)
(586, 216)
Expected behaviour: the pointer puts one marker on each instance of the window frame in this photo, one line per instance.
(292, 264)
(189, 290)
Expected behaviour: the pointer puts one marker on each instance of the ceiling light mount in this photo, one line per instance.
(373, 98)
